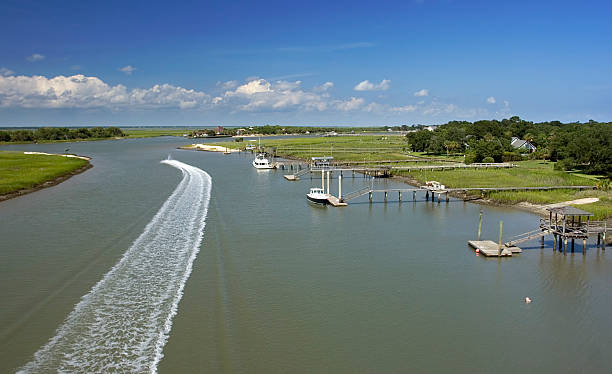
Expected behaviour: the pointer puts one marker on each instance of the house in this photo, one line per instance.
(219, 130)
(524, 145)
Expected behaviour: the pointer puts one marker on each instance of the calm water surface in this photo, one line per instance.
(279, 285)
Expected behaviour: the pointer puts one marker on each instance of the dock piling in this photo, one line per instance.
(479, 224)
(501, 231)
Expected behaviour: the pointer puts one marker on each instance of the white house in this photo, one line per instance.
(524, 145)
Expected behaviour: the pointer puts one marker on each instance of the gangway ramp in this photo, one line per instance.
(530, 235)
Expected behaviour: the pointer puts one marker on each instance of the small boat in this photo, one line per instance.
(317, 196)
(261, 162)
(227, 151)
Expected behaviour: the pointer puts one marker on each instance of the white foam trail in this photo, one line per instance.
(123, 323)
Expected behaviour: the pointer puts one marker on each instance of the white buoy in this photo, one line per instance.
(527, 300)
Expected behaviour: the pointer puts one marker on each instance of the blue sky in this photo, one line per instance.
(316, 62)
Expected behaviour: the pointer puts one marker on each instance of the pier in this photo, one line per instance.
(566, 223)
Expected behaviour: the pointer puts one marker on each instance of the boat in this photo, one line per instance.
(261, 162)
(317, 196)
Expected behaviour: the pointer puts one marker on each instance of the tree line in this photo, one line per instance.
(59, 133)
(585, 146)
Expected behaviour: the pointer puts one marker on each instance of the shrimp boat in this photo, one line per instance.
(262, 162)
(317, 196)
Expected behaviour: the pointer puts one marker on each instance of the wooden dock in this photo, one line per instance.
(491, 249)
(334, 201)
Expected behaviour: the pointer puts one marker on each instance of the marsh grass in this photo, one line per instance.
(20, 171)
(343, 148)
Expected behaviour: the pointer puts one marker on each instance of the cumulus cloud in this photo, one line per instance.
(227, 85)
(79, 91)
(35, 57)
(491, 100)
(261, 95)
(421, 93)
(128, 70)
(404, 109)
(351, 104)
(324, 87)
(366, 85)
(6, 72)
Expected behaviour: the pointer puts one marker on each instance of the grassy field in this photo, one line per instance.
(527, 174)
(131, 132)
(20, 171)
(343, 148)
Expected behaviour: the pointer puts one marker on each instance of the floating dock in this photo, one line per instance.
(334, 201)
(491, 249)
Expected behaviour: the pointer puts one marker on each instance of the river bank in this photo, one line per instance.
(22, 173)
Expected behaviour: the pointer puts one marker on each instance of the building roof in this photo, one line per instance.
(326, 158)
(569, 211)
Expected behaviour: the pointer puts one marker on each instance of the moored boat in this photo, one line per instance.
(317, 196)
(262, 162)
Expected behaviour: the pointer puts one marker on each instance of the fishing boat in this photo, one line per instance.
(262, 162)
(317, 196)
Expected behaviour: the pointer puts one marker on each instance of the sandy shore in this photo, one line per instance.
(209, 148)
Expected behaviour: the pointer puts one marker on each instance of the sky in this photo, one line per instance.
(70, 63)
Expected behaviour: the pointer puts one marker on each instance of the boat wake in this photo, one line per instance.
(123, 323)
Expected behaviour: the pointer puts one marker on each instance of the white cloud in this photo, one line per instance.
(227, 85)
(421, 93)
(6, 72)
(35, 57)
(366, 85)
(129, 69)
(324, 87)
(79, 91)
(351, 104)
(261, 95)
(403, 109)
(491, 100)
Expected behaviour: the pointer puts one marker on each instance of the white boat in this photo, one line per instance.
(317, 196)
(261, 162)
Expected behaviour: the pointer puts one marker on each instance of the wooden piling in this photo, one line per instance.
(479, 225)
(399, 196)
(554, 242)
(583, 245)
(572, 245)
(501, 231)
(564, 245)
(413, 195)
(385, 196)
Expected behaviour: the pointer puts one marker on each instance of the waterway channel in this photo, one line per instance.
(275, 284)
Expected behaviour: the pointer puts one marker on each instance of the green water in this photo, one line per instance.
(283, 286)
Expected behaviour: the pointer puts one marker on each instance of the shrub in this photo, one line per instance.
(470, 158)
(511, 156)
(488, 160)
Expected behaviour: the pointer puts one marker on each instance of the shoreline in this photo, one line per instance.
(49, 183)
